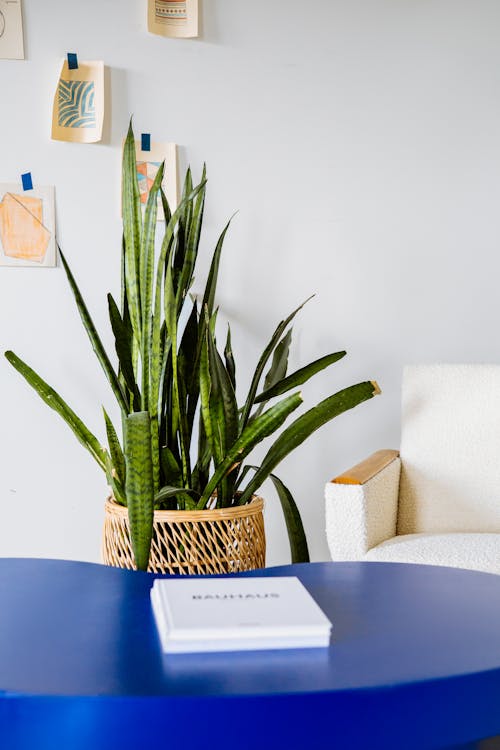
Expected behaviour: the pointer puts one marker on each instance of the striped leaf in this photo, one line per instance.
(229, 358)
(278, 369)
(299, 376)
(178, 404)
(167, 493)
(96, 342)
(52, 399)
(275, 338)
(123, 350)
(132, 231)
(211, 285)
(224, 413)
(295, 434)
(296, 534)
(146, 281)
(139, 485)
(192, 242)
(115, 449)
(263, 426)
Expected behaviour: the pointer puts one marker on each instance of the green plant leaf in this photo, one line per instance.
(132, 231)
(184, 221)
(165, 493)
(188, 366)
(146, 282)
(224, 414)
(178, 405)
(211, 285)
(172, 472)
(279, 365)
(157, 361)
(229, 357)
(115, 449)
(262, 363)
(139, 485)
(278, 369)
(167, 213)
(193, 239)
(123, 350)
(299, 376)
(296, 534)
(52, 399)
(263, 426)
(304, 426)
(96, 342)
(113, 481)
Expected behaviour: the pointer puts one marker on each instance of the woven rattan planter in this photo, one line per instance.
(224, 540)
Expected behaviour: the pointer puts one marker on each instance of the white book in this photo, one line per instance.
(237, 614)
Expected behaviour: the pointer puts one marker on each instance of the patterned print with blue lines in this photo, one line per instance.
(76, 100)
(170, 10)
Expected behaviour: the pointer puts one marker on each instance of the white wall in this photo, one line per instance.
(360, 143)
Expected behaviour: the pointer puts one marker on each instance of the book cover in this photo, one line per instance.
(224, 614)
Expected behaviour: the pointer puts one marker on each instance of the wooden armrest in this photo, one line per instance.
(367, 469)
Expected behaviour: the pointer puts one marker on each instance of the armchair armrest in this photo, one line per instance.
(362, 505)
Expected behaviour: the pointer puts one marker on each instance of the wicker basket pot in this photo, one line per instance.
(223, 540)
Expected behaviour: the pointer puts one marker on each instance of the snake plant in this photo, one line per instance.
(185, 436)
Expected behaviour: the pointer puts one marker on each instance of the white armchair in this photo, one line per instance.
(438, 500)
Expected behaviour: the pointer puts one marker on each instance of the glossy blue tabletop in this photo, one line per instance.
(414, 663)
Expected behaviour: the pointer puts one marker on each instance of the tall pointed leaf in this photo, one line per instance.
(178, 406)
(132, 231)
(146, 282)
(296, 534)
(299, 377)
(52, 399)
(229, 357)
(224, 412)
(254, 433)
(96, 342)
(123, 350)
(304, 426)
(192, 242)
(115, 449)
(139, 485)
(278, 369)
(211, 285)
(263, 361)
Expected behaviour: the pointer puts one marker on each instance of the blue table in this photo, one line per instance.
(414, 664)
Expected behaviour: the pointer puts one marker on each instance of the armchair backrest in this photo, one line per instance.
(450, 449)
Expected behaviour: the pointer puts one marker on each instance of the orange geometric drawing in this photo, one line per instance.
(146, 173)
(22, 232)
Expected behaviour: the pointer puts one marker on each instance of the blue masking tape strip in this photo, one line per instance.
(146, 142)
(72, 61)
(27, 181)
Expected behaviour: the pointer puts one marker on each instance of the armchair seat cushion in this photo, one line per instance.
(458, 550)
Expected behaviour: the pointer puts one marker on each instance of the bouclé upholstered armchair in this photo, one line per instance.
(437, 501)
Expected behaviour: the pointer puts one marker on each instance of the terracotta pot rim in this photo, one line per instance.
(255, 506)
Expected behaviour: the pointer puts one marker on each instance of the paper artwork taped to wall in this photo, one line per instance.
(148, 163)
(27, 226)
(11, 30)
(174, 18)
(78, 111)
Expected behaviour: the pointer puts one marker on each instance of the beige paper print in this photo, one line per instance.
(27, 226)
(78, 111)
(11, 30)
(148, 163)
(174, 18)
